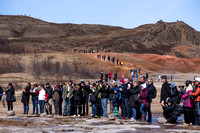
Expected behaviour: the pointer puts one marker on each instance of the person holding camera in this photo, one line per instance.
(10, 91)
(104, 89)
(67, 95)
(26, 97)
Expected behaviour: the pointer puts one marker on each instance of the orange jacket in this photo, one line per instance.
(197, 93)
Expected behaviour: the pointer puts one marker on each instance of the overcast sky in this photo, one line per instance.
(125, 13)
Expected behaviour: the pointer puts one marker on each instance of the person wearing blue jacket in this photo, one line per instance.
(115, 101)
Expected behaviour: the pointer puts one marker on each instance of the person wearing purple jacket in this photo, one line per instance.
(144, 101)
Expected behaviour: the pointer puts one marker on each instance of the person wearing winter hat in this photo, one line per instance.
(144, 101)
(115, 101)
(10, 91)
(197, 100)
(188, 105)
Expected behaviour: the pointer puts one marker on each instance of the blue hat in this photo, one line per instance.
(116, 89)
(47, 83)
(10, 84)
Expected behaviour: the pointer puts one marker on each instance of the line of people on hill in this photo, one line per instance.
(108, 58)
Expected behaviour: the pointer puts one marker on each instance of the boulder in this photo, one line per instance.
(11, 113)
(43, 114)
(111, 117)
(162, 120)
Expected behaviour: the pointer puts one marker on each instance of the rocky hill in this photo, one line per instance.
(32, 35)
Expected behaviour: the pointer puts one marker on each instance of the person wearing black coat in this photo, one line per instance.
(133, 101)
(1, 92)
(171, 111)
(10, 92)
(151, 89)
(104, 89)
(85, 99)
(77, 100)
(26, 97)
(165, 91)
(106, 77)
(124, 94)
(48, 104)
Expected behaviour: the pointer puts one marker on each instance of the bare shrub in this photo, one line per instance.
(10, 65)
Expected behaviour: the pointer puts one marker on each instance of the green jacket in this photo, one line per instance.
(65, 93)
(97, 90)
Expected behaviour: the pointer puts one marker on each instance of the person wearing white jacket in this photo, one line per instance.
(42, 98)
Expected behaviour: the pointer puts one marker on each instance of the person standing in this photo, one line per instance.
(10, 92)
(101, 76)
(144, 101)
(133, 99)
(86, 91)
(111, 94)
(1, 93)
(77, 100)
(34, 93)
(67, 96)
(104, 97)
(98, 99)
(159, 77)
(165, 91)
(151, 88)
(43, 96)
(188, 105)
(106, 77)
(26, 97)
(197, 101)
(110, 76)
(48, 104)
(56, 99)
(115, 76)
(115, 102)
(124, 95)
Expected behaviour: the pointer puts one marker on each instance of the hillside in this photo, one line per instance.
(34, 35)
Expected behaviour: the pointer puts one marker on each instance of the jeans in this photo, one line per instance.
(77, 104)
(134, 112)
(48, 106)
(26, 108)
(197, 112)
(149, 113)
(35, 105)
(10, 106)
(125, 107)
(104, 102)
(93, 109)
(56, 106)
(143, 109)
(67, 107)
(41, 103)
(85, 103)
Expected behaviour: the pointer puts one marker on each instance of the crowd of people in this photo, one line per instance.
(132, 98)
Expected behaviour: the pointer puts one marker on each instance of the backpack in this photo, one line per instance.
(154, 93)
